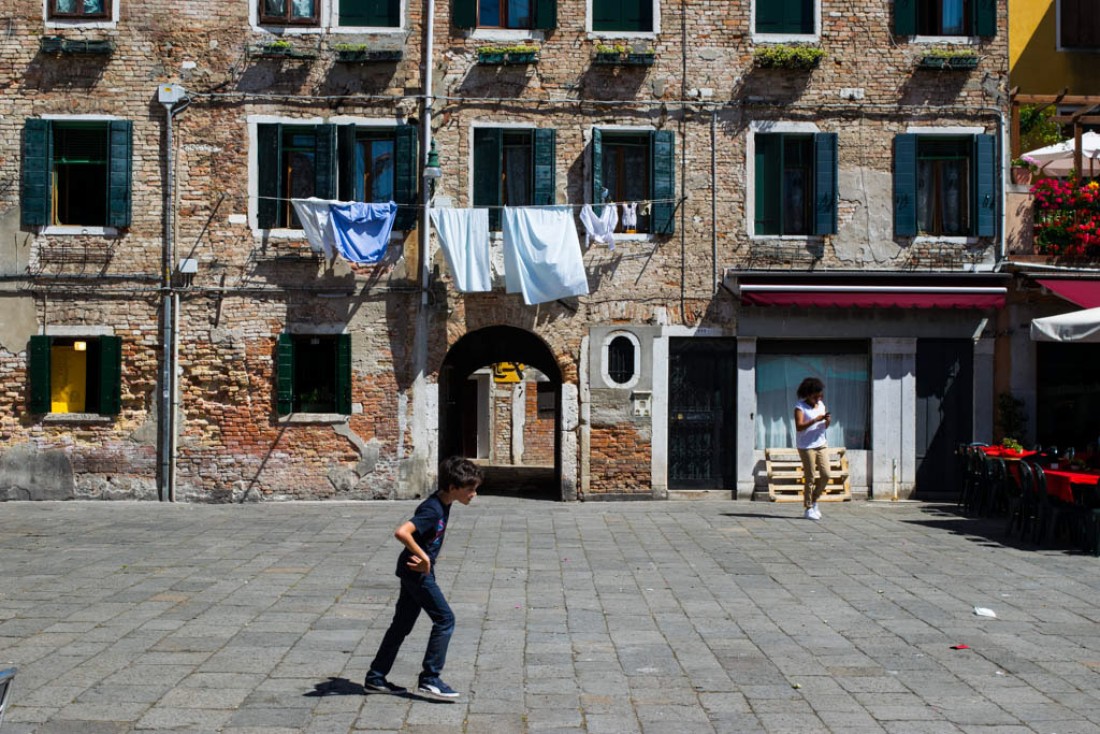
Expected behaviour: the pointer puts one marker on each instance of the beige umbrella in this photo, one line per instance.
(1057, 159)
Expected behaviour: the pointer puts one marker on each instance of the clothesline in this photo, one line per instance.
(675, 200)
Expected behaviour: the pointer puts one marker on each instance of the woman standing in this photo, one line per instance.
(811, 418)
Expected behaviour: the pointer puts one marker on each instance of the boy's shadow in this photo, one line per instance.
(344, 687)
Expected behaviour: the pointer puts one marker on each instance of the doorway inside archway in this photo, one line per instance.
(500, 404)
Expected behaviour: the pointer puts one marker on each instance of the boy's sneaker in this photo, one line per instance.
(436, 688)
(377, 683)
(815, 514)
(811, 514)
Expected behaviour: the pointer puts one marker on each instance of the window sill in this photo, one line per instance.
(77, 23)
(303, 419)
(503, 34)
(924, 239)
(968, 40)
(786, 38)
(77, 418)
(374, 30)
(69, 230)
(807, 238)
(602, 35)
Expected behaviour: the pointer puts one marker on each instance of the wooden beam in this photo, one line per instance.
(1063, 98)
(1070, 119)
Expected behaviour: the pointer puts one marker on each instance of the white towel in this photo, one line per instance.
(314, 213)
(464, 237)
(542, 254)
(601, 228)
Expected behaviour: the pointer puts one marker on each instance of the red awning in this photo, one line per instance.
(825, 296)
(1082, 291)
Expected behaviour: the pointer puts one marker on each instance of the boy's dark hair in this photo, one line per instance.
(810, 386)
(458, 471)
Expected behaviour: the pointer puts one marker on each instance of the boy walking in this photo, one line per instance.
(422, 537)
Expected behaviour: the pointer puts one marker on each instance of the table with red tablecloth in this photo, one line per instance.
(1060, 482)
(1000, 452)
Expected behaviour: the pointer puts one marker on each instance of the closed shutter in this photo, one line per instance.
(347, 173)
(110, 375)
(768, 183)
(769, 16)
(464, 14)
(784, 16)
(405, 179)
(825, 178)
(985, 186)
(662, 160)
(985, 18)
(544, 145)
(597, 171)
(38, 372)
(546, 14)
(637, 15)
(488, 144)
(269, 172)
(37, 163)
(615, 15)
(343, 374)
(324, 161)
(905, 185)
(119, 173)
(370, 13)
(1080, 24)
(284, 375)
(905, 17)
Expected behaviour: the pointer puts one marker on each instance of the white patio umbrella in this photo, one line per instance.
(1057, 159)
(1078, 326)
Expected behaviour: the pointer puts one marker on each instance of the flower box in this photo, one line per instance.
(365, 56)
(73, 47)
(514, 56)
(622, 55)
(607, 57)
(949, 63)
(639, 59)
(281, 50)
(781, 56)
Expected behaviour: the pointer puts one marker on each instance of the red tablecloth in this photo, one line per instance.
(1000, 452)
(1060, 482)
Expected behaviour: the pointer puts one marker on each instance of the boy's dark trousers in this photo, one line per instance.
(420, 592)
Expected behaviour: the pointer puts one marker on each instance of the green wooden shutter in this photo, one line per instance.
(662, 161)
(905, 17)
(405, 179)
(37, 164)
(637, 15)
(269, 168)
(597, 171)
(324, 161)
(985, 17)
(606, 15)
(119, 177)
(370, 13)
(488, 156)
(38, 371)
(769, 16)
(110, 375)
(545, 183)
(546, 14)
(985, 186)
(464, 14)
(284, 375)
(345, 163)
(343, 374)
(905, 185)
(825, 177)
(768, 183)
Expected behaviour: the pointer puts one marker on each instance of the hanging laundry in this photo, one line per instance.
(464, 236)
(362, 231)
(630, 217)
(600, 228)
(313, 213)
(542, 255)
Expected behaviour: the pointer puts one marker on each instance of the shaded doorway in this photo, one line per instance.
(500, 387)
(945, 413)
(701, 426)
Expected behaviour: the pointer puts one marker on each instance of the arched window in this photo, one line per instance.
(620, 360)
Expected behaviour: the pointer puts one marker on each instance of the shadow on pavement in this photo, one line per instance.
(988, 531)
(344, 687)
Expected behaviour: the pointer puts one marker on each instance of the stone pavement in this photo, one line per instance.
(606, 618)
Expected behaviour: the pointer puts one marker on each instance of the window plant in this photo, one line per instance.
(620, 53)
(949, 58)
(517, 54)
(783, 56)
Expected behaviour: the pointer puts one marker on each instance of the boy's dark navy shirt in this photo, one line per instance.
(430, 520)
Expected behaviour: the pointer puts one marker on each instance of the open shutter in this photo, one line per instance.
(284, 375)
(38, 371)
(546, 14)
(905, 17)
(905, 185)
(324, 161)
(662, 161)
(120, 134)
(268, 169)
(343, 374)
(488, 142)
(985, 18)
(544, 146)
(768, 183)
(597, 171)
(110, 375)
(825, 175)
(405, 179)
(346, 164)
(985, 186)
(464, 14)
(37, 162)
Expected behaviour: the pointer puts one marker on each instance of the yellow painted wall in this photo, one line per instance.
(68, 380)
(1035, 64)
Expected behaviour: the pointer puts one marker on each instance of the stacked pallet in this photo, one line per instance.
(785, 477)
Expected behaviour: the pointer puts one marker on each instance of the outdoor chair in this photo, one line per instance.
(1088, 499)
(1054, 514)
(7, 677)
(977, 481)
(1019, 496)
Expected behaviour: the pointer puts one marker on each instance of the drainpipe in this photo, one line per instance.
(714, 200)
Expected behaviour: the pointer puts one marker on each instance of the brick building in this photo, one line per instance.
(819, 187)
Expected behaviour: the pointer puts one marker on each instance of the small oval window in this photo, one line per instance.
(620, 360)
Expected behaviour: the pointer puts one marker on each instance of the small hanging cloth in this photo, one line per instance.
(362, 231)
(630, 216)
(464, 237)
(542, 254)
(600, 228)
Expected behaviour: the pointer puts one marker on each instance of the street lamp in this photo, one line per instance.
(432, 172)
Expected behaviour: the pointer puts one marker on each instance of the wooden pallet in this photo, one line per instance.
(785, 478)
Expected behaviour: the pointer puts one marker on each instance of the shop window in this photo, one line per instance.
(79, 9)
(945, 17)
(1079, 24)
(506, 14)
(75, 374)
(944, 185)
(795, 184)
(313, 374)
(513, 167)
(636, 167)
(622, 15)
(843, 366)
(788, 17)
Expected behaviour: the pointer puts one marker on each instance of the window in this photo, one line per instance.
(844, 367)
(945, 17)
(632, 166)
(793, 17)
(622, 15)
(620, 360)
(313, 374)
(509, 14)
(349, 162)
(78, 9)
(289, 12)
(944, 185)
(513, 167)
(795, 183)
(1079, 24)
(546, 396)
(76, 173)
(1068, 386)
(370, 13)
(75, 374)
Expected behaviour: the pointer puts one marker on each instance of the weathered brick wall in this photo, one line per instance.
(620, 460)
(538, 433)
